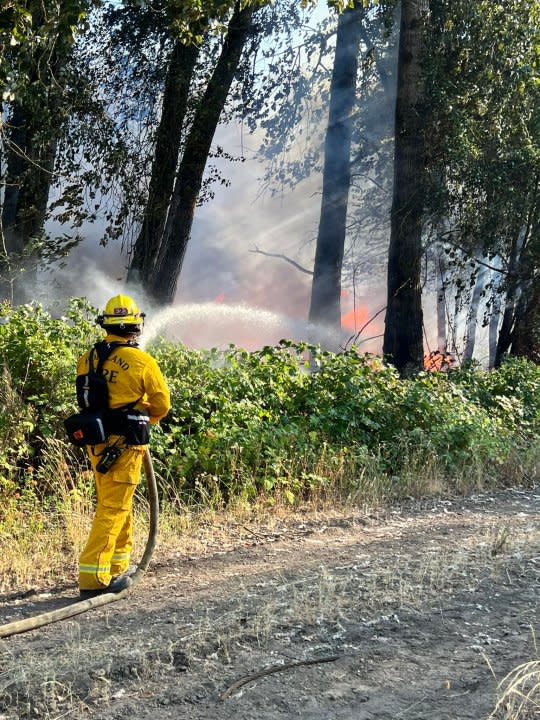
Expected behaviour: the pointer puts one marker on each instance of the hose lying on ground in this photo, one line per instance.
(77, 608)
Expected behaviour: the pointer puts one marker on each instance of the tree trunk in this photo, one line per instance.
(404, 322)
(442, 338)
(495, 311)
(30, 165)
(526, 331)
(493, 331)
(33, 134)
(505, 333)
(472, 315)
(163, 279)
(165, 161)
(326, 286)
(512, 296)
(494, 318)
(15, 165)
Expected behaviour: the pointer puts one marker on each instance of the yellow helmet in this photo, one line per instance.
(122, 312)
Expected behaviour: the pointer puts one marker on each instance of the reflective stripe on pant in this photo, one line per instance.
(109, 544)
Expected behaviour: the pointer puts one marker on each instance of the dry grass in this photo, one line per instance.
(519, 694)
(40, 541)
(364, 590)
(41, 537)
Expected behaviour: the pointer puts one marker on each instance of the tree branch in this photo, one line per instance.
(466, 252)
(275, 669)
(283, 257)
(354, 338)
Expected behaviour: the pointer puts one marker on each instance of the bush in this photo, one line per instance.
(38, 358)
(285, 421)
(265, 420)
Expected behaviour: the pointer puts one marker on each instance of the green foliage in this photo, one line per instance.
(285, 421)
(30, 33)
(38, 355)
(512, 393)
(482, 73)
(263, 421)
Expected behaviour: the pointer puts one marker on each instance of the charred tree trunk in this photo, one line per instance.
(526, 330)
(326, 287)
(493, 331)
(404, 322)
(505, 333)
(510, 304)
(165, 161)
(495, 312)
(163, 279)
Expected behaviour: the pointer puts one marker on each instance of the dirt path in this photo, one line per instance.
(417, 613)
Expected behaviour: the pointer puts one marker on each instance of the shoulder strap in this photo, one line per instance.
(103, 350)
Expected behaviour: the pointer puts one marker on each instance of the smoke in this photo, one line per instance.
(263, 299)
(91, 271)
(228, 292)
(221, 257)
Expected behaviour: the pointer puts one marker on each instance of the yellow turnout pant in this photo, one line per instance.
(108, 547)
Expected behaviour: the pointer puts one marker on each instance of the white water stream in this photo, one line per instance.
(208, 325)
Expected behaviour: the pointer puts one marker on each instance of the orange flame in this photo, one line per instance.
(354, 319)
(436, 361)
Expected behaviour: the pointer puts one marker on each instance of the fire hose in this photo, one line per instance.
(82, 606)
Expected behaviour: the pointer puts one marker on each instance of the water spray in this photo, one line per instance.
(206, 325)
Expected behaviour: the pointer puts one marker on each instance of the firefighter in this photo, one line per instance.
(134, 380)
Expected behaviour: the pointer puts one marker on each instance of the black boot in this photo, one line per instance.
(122, 582)
(117, 584)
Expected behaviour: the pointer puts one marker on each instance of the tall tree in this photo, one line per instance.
(326, 286)
(472, 314)
(346, 144)
(163, 279)
(165, 159)
(483, 148)
(403, 336)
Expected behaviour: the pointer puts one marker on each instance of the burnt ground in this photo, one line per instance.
(414, 612)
